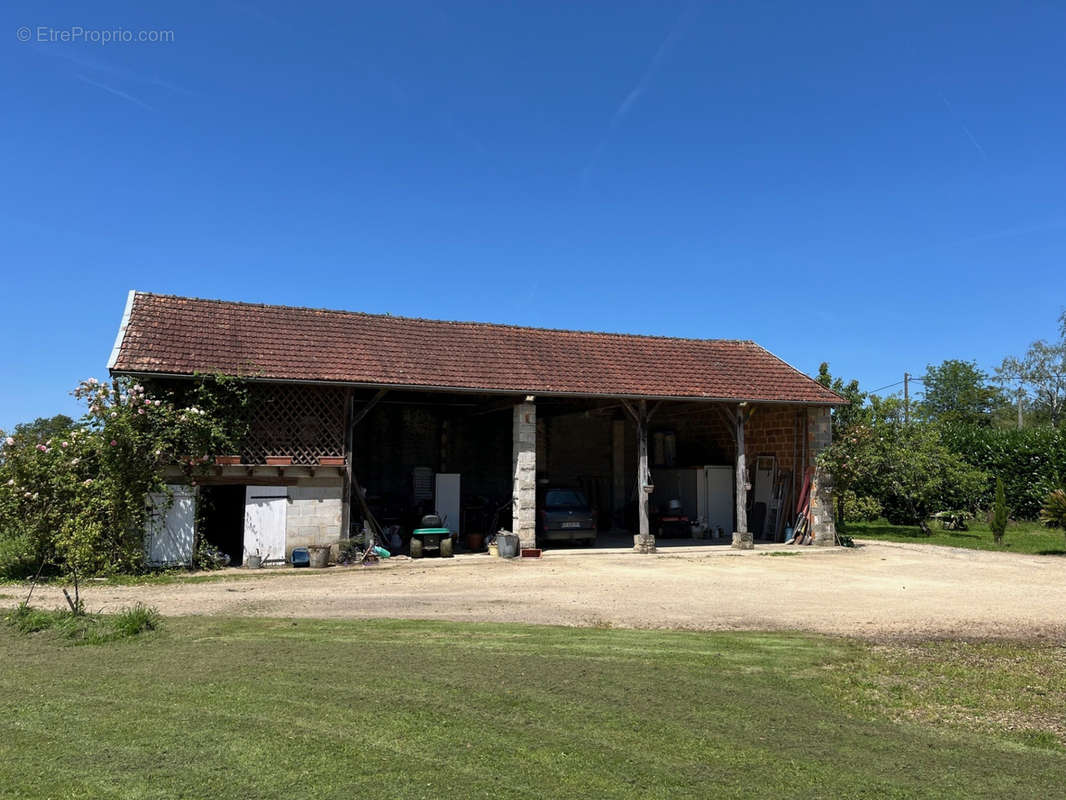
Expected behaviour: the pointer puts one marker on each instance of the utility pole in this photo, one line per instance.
(906, 398)
(1021, 396)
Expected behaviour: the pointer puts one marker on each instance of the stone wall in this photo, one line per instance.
(819, 437)
(524, 464)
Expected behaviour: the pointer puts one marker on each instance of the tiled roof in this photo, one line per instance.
(183, 336)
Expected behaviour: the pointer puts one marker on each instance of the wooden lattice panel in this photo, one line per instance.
(302, 422)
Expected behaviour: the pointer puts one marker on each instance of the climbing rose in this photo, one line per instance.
(65, 444)
(42, 448)
(114, 443)
(10, 441)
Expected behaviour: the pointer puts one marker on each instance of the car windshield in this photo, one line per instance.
(565, 498)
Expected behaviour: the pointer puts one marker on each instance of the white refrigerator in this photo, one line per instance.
(705, 493)
(715, 498)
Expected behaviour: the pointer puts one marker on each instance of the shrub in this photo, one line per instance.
(72, 494)
(1053, 513)
(860, 508)
(210, 557)
(135, 620)
(999, 513)
(85, 628)
(907, 468)
(16, 557)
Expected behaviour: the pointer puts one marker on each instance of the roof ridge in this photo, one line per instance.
(402, 318)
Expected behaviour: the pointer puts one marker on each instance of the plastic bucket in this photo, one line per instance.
(507, 544)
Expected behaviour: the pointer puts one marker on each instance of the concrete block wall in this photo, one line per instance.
(313, 516)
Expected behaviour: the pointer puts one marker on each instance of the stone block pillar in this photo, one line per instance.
(819, 437)
(524, 464)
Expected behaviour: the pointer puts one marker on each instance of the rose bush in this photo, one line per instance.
(76, 501)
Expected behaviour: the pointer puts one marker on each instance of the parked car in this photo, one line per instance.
(564, 514)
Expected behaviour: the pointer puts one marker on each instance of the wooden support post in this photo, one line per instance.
(346, 489)
(643, 542)
(742, 538)
(351, 419)
(642, 472)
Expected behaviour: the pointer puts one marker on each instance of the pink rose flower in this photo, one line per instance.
(114, 443)
(9, 441)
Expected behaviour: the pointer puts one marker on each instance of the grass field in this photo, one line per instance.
(1021, 537)
(222, 708)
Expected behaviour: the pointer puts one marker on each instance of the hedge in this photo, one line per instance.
(1031, 462)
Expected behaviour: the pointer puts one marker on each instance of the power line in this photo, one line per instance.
(897, 383)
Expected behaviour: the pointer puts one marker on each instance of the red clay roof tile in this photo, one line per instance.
(183, 336)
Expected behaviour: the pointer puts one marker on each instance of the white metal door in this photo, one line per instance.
(447, 499)
(264, 522)
(171, 530)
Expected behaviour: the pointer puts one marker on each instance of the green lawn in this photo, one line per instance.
(1021, 537)
(254, 708)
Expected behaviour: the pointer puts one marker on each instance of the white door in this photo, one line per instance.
(447, 499)
(171, 530)
(716, 498)
(264, 522)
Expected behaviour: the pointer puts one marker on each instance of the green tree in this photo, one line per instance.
(844, 416)
(999, 512)
(958, 391)
(906, 468)
(44, 428)
(1041, 375)
(915, 475)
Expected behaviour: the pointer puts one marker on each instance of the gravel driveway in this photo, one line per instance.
(875, 590)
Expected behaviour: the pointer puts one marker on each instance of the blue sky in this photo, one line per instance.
(879, 185)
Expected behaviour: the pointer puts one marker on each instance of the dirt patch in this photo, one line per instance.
(873, 591)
